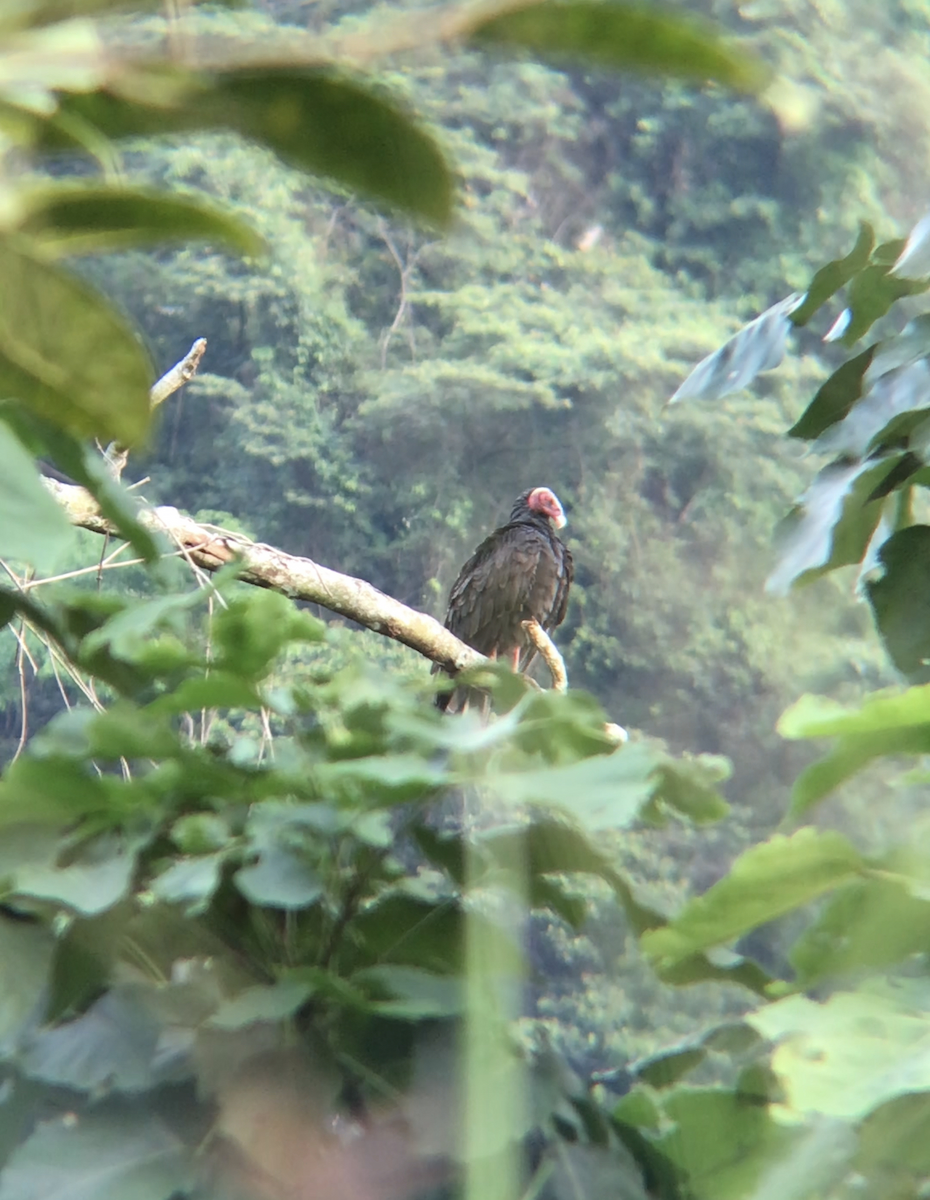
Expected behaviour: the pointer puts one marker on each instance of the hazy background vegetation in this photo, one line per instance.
(375, 398)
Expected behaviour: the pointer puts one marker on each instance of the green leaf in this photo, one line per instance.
(850, 754)
(219, 689)
(894, 1136)
(279, 879)
(95, 879)
(26, 950)
(688, 785)
(416, 995)
(49, 790)
(819, 716)
(113, 1045)
(606, 791)
(830, 278)
(621, 35)
(869, 924)
(92, 219)
(33, 528)
(190, 881)
(765, 882)
(832, 524)
(251, 632)
(757, 347)
(835, 397)
(722, 1143)
(316, 119)
(846, 1056)
(900, 600)
(274, 1002)
(871, 295)
(99, 1157)
(66, 354)
(409, 931)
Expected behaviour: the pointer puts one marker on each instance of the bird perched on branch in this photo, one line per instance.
(522, 571)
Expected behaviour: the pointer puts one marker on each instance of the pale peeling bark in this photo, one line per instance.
(298, 578)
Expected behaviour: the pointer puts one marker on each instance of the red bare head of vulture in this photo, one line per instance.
(523, 570)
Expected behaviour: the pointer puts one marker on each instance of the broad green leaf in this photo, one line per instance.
(875, 419)
(251, 632)
(66, 354)
(869, 924)
(33, 528)
(722, 1143)
(94, 880)
(90, 219)
(765, 882)
(872, 292)
(102, 1156)
(199, 833)
(274, 1002)
(759, 346)
(114, 1045)
(689, 785)
(415, 995)
(850, 754)
(409, 931)
(279, 878)
(911, 344)
(900, 600)
(621, 35)
(820, 716)
(49, 790)
(830, 278)
(606, 791)
(26, 950)
(316, 119)
(190, 881)
(894, 1137)
(717, 966)
(847, 1055)
(835, 397)
(219, 689)
(19, 13)
(126, 633)
(832, 523)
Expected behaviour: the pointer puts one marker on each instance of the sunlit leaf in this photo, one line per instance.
(912, 343)
(721, 1141)
(35, 62)
(871, 294)
(821, 716)
(90, 219)
(759, 346)
(33, 528)
(100, 1157)
(914, 260)
(65, 354)
(868, 925)
(830, 278)
(845, 1056)
(765, 882)
(850, 754)
(624, 36)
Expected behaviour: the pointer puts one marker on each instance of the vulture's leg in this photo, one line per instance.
(515, 660)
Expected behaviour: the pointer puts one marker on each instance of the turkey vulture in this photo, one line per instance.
(522, 570)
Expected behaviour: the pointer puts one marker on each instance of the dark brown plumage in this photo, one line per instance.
(522, 570)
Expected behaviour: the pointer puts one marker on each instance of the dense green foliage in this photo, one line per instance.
(256, 892)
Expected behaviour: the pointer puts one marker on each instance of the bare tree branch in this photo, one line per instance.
(300, 578)
(548, 652)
